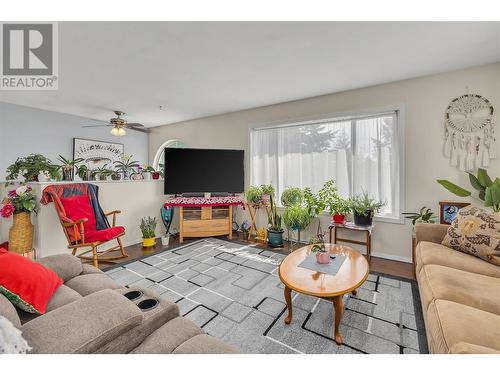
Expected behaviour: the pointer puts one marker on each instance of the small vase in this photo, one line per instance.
(21, 233)
(156, 175)
(67, 173)
(146, 175)
(323, 257)
(165, 240)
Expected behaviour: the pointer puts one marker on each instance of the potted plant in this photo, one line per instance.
(84, 172)
(425, 215)
(115, 176)
(148, 227)
(147, 172)
(292, 197)
(297, 218)
(253, 195)
(160, 172)
(101, 173)
(20, 203)
(274, 230)
(32, 167)
(267, 191)
(318, 247)
(488, 190)
(126, 166)
(245, 229)
(363, 208)
(68, 167)
(339, 209)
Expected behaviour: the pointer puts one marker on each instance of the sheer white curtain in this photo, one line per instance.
(360, 154)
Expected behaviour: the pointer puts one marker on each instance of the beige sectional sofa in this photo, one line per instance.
(460, 296)
(90, 314)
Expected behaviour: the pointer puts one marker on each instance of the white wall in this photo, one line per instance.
(425, 100)
(25, 130)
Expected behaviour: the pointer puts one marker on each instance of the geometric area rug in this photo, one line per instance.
(232, 290)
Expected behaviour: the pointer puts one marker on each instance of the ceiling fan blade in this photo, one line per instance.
(135, 124)
(94, 126)
(142, 130)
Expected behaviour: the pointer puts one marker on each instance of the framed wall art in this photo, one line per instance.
(97, 154)
(448, 210)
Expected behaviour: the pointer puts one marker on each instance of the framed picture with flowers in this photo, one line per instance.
(448, 210)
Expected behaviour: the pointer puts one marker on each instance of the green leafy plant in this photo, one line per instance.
(126, 164)
(363, 205)
(267, 189)
(274, 219)
(328, 195)
(297, 217)
(313, 203)
(488, 190)
(102, 173)
(29, 167)
(340, 206)
(253, 195)
(425, 215)
(318, 244)
(148, 226)
(292, 197)
(67, 163)
(148, 168)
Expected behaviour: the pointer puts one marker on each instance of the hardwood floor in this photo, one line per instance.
(387, 266)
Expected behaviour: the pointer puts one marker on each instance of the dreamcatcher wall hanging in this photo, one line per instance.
(469, 132)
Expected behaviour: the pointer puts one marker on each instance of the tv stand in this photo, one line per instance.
(205, 217)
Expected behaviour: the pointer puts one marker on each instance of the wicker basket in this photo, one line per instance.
(21, 233)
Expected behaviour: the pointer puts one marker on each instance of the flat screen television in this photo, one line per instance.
(192, 170)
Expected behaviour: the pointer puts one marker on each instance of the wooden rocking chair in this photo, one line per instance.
(78, 219)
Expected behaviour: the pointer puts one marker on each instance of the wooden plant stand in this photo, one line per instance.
(253, 209)
(353, 227)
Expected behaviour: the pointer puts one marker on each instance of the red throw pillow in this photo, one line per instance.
(27, 284)
(78, 207)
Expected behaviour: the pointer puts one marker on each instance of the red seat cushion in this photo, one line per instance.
(103, 234)
(27, 284)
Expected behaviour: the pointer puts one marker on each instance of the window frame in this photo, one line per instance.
(163, 146)
(369, 112)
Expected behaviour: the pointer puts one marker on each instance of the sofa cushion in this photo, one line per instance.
(449, 323)
(168, 337)
(93, 282)
(66, 266)
(152, 320)
(477, 233)
(432, 253)
(82, 326)
(8, 310)
(466, 348)
(88, 268)
(27, 284)
(439, 282)
(62, 296)
(204, 344)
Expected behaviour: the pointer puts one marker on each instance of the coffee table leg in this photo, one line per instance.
(288, 299)
(354, 292)
(338, 304)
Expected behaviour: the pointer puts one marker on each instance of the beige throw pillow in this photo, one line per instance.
(477, 233)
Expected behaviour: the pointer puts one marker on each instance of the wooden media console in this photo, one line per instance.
(205, 221)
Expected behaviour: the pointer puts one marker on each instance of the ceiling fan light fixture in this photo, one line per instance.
(118, 131)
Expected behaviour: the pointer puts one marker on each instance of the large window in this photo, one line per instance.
(362, 153)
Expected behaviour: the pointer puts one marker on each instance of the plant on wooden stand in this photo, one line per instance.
(148, 227)
(363, 208)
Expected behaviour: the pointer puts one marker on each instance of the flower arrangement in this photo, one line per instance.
(18, 200)
(126, 165)
(29, 167)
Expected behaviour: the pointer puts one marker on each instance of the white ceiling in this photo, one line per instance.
(201, 69)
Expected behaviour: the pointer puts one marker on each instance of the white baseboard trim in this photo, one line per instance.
(392, 257)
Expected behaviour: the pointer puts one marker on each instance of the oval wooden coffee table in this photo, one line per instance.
(350, 276)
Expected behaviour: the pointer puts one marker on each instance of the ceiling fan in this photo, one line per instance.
(119, 125)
